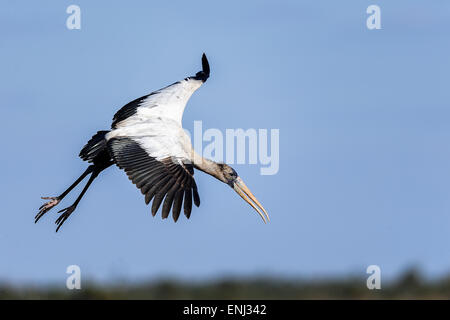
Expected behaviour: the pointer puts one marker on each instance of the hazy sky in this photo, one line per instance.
(364, 136)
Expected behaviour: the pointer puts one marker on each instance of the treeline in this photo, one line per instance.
(409, 286)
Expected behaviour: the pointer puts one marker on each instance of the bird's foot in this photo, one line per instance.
(46, 207)
(65, 213)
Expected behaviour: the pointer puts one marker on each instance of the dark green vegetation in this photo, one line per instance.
(409, 286)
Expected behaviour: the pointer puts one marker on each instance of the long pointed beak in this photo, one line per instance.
(240, 187)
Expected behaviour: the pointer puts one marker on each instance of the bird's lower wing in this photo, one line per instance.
(167, 179)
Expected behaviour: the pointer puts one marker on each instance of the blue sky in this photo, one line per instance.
(364, 137)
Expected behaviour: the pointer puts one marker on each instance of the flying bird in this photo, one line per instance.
(148, 142)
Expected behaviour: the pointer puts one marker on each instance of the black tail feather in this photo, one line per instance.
(96, 147)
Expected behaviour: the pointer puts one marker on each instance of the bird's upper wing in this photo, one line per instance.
(148, 142)
(158, 177)
(168, 102)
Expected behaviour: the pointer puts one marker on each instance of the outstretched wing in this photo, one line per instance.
(168, 178)
(168, 102)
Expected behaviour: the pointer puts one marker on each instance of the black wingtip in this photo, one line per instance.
(204, 74)
(205, 65)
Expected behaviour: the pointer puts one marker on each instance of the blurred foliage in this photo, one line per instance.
(410, 285)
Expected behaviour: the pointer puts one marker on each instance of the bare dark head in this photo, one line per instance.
(229, 176)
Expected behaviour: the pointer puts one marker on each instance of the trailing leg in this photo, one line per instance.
(65, 213)
(55, 200)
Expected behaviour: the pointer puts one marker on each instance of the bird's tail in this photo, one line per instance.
(95, 148)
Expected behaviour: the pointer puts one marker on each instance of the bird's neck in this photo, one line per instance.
(208, 166)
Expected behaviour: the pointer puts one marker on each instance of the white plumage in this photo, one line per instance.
(159, 137)
(157, 123)
(166, 103)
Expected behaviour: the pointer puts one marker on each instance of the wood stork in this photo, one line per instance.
(148, 142)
